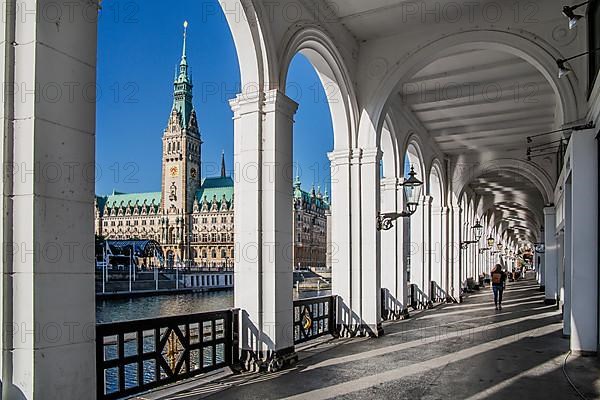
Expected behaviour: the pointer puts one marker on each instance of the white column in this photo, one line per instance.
(455, 266)
(541, 272)
(568, 257)
(263, 127)
(417, 262)
(427, 222)
(47, 295)
(550, 256)
(370, 245)
(391, 263)
(584, 242)
(560, 255)
(436, 246)
(341, 252)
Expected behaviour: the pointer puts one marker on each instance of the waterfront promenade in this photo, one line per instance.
(455, 351)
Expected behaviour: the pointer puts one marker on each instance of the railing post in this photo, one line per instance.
(331, 323)
(234, 346)
(413, 300)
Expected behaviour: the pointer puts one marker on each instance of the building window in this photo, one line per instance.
(214, 220)
(214, 254)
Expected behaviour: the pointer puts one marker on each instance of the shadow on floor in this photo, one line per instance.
(457, 351)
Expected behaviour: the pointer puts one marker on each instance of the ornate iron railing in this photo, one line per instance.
(313, 318)
(136, 356)
(437, 293)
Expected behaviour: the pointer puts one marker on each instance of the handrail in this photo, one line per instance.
(140, 355)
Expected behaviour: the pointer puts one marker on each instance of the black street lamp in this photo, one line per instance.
(412, 194)
(477, 232)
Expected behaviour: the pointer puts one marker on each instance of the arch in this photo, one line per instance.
(538, 53)
(389, 146)
(319, 49)
(525, 169)
(440, 191)
(412, 151)
(250, 39)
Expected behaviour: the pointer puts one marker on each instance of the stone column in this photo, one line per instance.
(341, 256)
(436, 258)
(416, 251)
(47, 310)
(263, 125)
(560, 250)
(427, 221)
(584, 241)
(541, 275)
(456, 258)
(568, 192)
(370, 245)
(391, 264)
(550, 256)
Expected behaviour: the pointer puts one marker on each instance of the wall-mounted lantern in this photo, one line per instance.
(412, 194)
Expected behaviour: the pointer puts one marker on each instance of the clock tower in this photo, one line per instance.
(180, 162)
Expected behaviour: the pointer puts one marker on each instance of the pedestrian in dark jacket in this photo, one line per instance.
(498, 283)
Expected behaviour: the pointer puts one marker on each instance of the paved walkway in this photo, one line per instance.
(456, 351)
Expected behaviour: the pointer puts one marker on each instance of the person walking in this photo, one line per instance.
(498, 283)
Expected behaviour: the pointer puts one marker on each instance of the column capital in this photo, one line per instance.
(340, 157)
(275, 100)
(245, 103)
(549, 210)
(389, 183)
(427, 200)
(372, 154)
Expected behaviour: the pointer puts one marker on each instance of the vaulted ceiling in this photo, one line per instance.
(474, 101)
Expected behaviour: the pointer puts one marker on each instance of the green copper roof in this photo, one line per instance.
(225, 181)
(218, 187)
(115, 200)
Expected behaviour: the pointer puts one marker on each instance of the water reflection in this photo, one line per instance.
(114, 310)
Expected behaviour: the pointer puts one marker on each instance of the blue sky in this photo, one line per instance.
(139, 47)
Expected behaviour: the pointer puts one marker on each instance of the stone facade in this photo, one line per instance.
(310, 227)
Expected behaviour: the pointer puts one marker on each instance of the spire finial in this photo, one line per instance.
(223, 172)
(185, 25)
(297, 180)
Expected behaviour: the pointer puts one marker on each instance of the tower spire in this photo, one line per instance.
(185, 25)
(182, 94)
(223, 172)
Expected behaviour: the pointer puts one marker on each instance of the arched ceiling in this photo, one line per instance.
(487, 101)
(476, 103)
(480, 99)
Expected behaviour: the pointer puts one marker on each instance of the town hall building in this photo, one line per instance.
(193, 218)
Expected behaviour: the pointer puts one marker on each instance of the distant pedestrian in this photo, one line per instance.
(498, 283)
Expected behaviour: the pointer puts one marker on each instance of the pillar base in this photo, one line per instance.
(362, 330)
(270, 361)
(584, 353)
(396, 315)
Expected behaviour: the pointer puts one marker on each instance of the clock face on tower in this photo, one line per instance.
(193, 173)
(174, 171)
